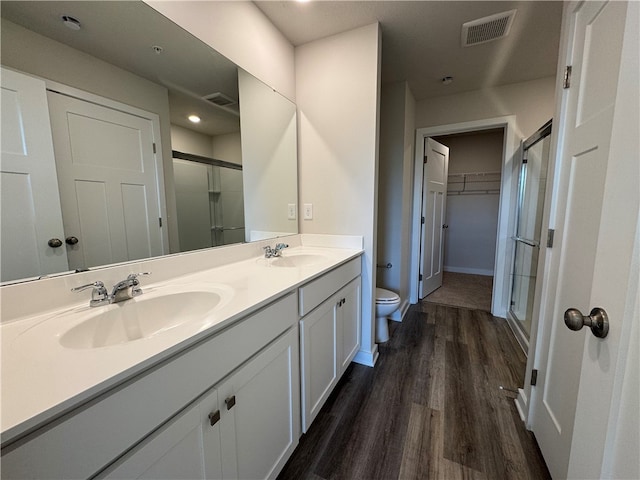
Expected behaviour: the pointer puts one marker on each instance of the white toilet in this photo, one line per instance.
(387, 302)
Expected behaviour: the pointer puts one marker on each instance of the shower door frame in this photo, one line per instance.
(513, 321)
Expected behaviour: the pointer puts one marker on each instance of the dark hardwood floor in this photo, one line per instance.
(430, 409)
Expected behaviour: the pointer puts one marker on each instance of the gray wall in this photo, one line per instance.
(395, 184)
(470, 241)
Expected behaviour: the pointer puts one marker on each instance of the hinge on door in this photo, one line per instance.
(566, 83)
(154, 148)
(160, 222)
(550, 233)
(534, 376)
(425, 159)
(420, 277)
(422, 220)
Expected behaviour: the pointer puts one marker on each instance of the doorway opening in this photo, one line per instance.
(471, 221)
(492, 181)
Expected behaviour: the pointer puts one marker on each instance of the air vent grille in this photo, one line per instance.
(487, 29)
(220, 99)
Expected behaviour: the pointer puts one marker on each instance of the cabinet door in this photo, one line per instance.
(186, 447)
(261, 411)
(349, 323)
(318, 337)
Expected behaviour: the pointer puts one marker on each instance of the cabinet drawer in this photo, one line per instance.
(317, 291)
(85, 440)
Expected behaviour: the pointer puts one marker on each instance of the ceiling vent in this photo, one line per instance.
(487, 29)
(220, 99)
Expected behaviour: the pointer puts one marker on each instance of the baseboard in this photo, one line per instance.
(367, 358)
(399, 314)
(472, 271)
(521, 404)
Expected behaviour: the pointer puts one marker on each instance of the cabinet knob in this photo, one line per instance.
(230, 402)
(214, 417)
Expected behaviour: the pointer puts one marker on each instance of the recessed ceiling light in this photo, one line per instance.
(194, 118)
(70, 22)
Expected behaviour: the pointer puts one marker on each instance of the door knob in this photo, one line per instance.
(597, 321)
(71, 240)
(54, 243)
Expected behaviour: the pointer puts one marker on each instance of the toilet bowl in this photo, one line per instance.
(387, 302)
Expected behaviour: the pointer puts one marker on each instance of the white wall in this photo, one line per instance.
(189, 141)
(338, 89)
(531, 102)
(470, 240)
(241, 32)
(268, 126)
(41, 56)
(227, 147)
(395, 184)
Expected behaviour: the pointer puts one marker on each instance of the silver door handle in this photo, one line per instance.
(526, 241)
(597, 320)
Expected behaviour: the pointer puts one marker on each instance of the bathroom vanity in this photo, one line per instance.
(223, 394)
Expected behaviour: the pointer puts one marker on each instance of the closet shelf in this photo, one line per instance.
(474, 183)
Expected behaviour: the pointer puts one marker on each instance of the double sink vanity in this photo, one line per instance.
(213, 371)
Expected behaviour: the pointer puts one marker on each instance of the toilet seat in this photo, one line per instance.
(386, 296)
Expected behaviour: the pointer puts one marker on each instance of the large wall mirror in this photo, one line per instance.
(130, 176)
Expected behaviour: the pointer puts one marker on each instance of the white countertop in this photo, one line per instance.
(41, 379)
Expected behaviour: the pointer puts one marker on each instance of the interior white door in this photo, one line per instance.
(108, 182)
(594, 34)
(434, 202)
(30, 201)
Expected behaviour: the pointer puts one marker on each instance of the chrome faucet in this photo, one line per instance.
(99, 294)
(127, 288)
(274, 252)
(124, 290)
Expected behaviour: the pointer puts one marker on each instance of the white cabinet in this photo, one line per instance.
(245, 427)
(349, 321)
(329, 338)
(90, 438)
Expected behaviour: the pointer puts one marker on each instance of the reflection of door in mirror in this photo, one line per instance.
(108, 182)
(30, 218)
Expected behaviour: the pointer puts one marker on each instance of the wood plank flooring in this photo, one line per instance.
(430, 409)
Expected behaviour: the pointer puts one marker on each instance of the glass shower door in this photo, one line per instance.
(532, 187)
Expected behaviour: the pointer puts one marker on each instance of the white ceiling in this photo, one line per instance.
(421, 39)
(123, 33)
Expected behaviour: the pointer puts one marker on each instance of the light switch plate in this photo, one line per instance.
(291, 211)
(308, 211)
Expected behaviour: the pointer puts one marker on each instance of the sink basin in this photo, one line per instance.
(294, 260)
(184, 309)
(138, 318)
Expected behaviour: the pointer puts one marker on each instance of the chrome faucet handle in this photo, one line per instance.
(99, 294)
(268, 251)
(277, 252)
(133, 278)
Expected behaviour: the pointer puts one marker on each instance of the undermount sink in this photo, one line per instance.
(293, 260)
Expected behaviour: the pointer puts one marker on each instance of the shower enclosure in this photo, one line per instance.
(528, 235)
(209, 201)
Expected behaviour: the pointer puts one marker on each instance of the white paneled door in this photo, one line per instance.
(31, 220)
(595, 209)
(434, 202)
(108, 182)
